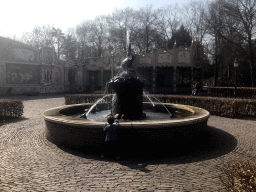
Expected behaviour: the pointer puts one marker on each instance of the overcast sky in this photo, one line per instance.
(18, 16)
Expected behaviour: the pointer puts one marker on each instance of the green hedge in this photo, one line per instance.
(241, 92)
(225, 107)
(10, 108)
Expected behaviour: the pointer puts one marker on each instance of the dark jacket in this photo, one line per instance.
(111, 131)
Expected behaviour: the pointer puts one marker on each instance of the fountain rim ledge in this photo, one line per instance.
(198, 115)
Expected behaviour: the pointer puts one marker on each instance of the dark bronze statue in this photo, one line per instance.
(127, 62)
(128, 91)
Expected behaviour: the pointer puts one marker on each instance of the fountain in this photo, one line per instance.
(66, 129)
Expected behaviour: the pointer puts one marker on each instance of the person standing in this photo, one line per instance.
(111, 146)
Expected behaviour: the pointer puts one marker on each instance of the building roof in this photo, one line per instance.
(5, 40)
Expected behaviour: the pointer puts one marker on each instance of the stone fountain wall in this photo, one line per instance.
(68, 131)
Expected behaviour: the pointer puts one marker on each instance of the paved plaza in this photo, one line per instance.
(29, 162)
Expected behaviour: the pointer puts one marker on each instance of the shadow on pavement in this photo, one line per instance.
(211, 144)
(42, 96)
(247, 118)
(12, 120)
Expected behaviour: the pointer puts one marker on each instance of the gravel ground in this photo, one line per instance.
(29, 162)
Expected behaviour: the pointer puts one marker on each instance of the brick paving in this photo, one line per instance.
(29, 162)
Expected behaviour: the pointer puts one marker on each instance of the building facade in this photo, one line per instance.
(26, 69)
(163, 71)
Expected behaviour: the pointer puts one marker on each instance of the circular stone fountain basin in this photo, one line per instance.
(65, 130)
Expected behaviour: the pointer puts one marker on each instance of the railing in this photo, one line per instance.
(164, 90)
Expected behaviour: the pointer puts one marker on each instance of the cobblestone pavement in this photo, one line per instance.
(29, 162)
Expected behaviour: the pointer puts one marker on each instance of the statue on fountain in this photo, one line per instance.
(128, 91)
(127, 62)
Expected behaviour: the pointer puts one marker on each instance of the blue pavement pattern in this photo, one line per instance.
(29, 162)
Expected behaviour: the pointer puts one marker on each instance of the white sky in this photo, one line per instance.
(18, 16)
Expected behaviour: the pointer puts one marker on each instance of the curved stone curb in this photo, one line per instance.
(69, 131)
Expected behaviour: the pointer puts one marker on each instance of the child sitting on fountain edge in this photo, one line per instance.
(110, 148)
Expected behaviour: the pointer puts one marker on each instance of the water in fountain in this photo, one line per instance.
(158, 101)
(148, 98)
(163, 106)
(128, 38)
(94, 105)
(102, 113)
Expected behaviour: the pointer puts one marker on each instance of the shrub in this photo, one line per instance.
(99, 92)
(31, 93)
(241, 92)
(239, 176)
(10, 109)
(225, 107)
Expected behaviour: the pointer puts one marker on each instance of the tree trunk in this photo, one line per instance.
(216, 73)
(253, 73)
(216, 63)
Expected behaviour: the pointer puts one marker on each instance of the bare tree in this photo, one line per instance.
(92, 36)
(145, 30)
(194, 20)
(98, 34)
(168, 22)
(58, 39)
(82, 35)
(41, 36)
(121, 21)
(69, 50)
(237, 26)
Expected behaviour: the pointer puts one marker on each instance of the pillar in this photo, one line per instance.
(192, 79)
(174, 79)
(101, 82)
(154, 80)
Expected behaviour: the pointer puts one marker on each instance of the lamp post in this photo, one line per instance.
(235, 66)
